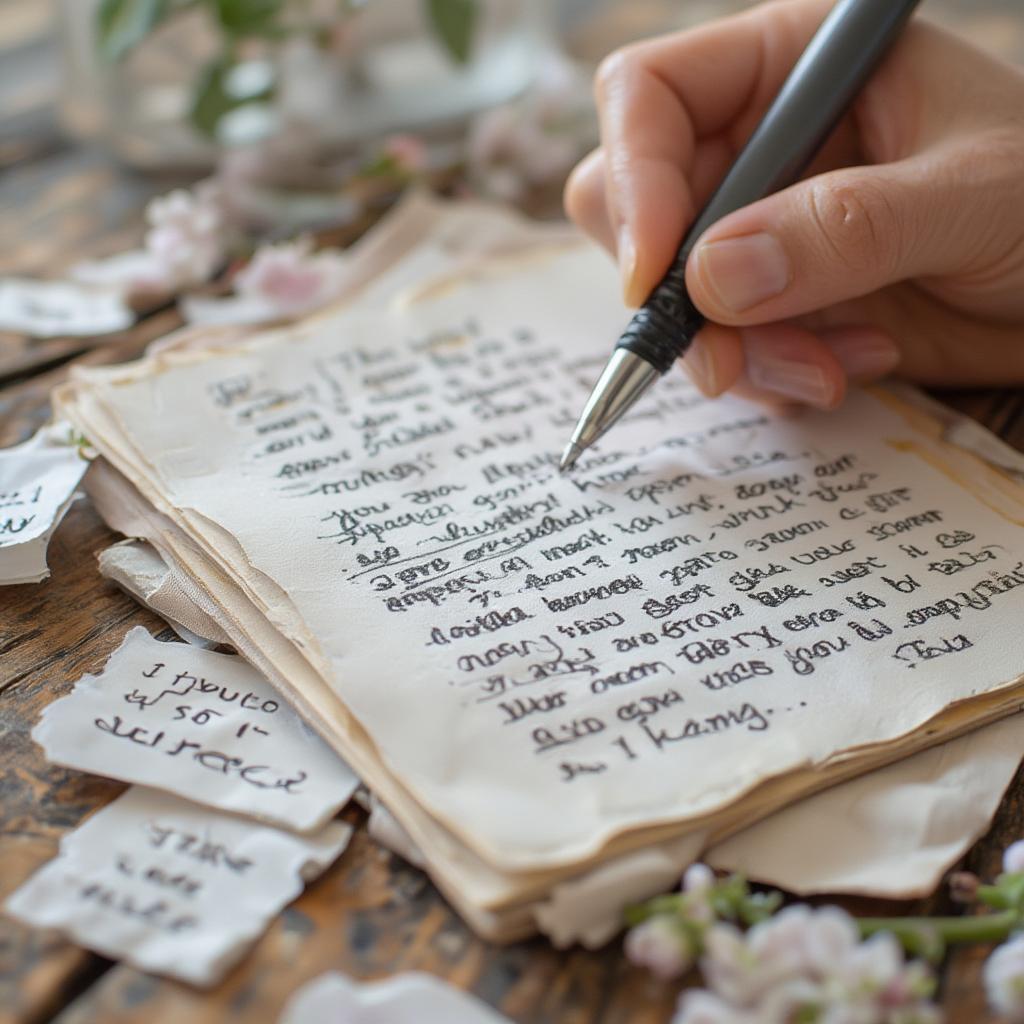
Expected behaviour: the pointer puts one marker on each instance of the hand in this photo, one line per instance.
(902, 249)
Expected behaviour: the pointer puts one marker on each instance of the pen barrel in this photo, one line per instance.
(840, 57)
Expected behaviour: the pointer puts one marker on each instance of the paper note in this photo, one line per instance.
(37, 482)
(45, 309)
(203, 725)
(409, 998)
(714, 600)
(171, 887)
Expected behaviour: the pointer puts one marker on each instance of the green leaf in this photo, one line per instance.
(249, 17)
(123, 24)
(213, 98)
(454, 22)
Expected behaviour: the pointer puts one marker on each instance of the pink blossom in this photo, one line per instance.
(279, 282)
(291, 277)
(1013, 858)
(408, 152)
(660, 945)
(1004, 979)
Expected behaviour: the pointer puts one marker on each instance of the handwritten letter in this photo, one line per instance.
(714, 599)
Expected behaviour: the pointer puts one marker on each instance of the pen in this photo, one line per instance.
(840, 57)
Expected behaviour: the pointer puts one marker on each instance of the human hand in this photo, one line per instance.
(902, 249)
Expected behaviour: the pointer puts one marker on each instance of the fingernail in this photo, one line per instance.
(701, 368)
(803, 382)
(742, 272)
(627, 262)
(865, 356)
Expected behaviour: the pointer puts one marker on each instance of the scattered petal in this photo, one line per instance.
(1004, 979)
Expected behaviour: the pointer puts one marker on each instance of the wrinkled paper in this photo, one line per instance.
(171, 887)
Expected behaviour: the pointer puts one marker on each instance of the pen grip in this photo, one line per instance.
(663, 327)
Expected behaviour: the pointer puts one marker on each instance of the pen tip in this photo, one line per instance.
(569, 456)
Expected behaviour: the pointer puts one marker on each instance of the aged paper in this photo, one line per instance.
(408, 998)
(203, 725)
(953, 788)
(716, 600)
(172, 887)
(37, 483)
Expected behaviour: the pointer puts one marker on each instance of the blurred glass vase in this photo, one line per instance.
(168, 83)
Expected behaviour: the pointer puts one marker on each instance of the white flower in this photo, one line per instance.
(811, 965)
(187, 233)
(698, 878)
(698, 1006)
(660, 945)
(1013, 858)
(1004, 979)
(186, 244)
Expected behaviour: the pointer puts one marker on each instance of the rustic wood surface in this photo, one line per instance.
(370, 915)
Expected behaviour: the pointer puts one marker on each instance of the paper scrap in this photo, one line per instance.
(206, 726)
(172, 887)
(408, 998)
(891, 833)
(50, 309)
(37, 482)
(138, 569)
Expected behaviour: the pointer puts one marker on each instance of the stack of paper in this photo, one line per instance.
(543, 677)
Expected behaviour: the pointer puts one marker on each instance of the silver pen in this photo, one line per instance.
(840, 57)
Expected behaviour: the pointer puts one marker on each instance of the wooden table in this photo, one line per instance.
(370, 915)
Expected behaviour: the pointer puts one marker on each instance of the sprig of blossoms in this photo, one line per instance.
(808, 966)
(822, 966)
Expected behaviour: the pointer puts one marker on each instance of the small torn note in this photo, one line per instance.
(206, 726)
(53, 309)
(172, 887)
(37, 482)
(408, 998)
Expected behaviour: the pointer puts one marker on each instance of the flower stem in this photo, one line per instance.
(927, 936)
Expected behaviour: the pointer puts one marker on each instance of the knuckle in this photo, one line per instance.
(857, 224)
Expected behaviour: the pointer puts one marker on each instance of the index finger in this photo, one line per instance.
(658, 99)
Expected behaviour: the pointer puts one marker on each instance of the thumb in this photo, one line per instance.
(830, 238)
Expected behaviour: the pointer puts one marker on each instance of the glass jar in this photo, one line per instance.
(378, 67)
